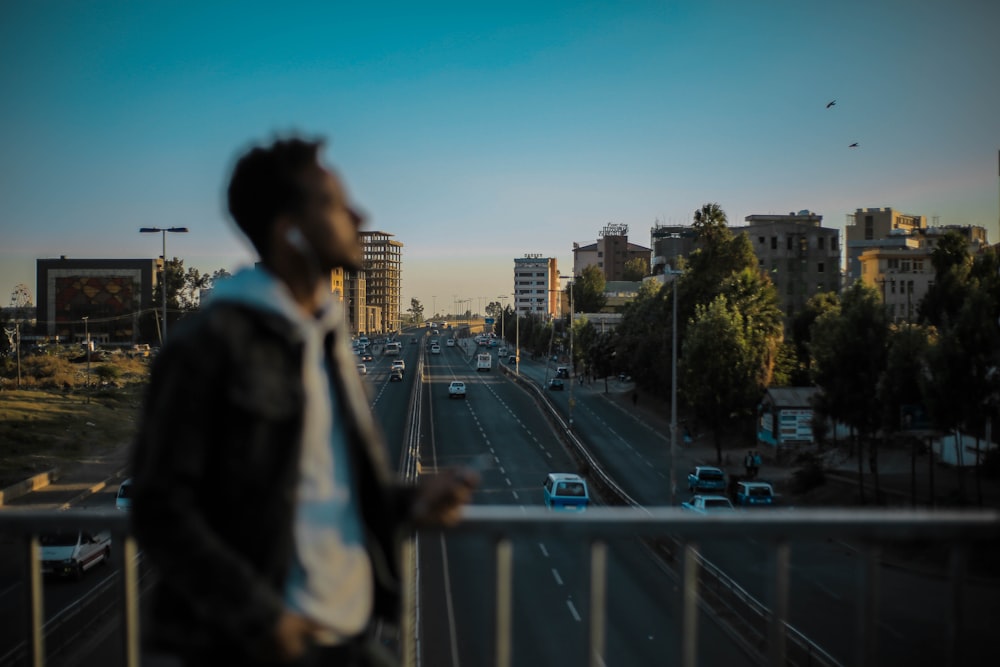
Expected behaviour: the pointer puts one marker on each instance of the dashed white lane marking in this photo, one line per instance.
(514, 493)
(573, 611)
(555, 575)
(507, 479)
(545, 551)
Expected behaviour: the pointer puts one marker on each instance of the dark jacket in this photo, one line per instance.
(215, 470)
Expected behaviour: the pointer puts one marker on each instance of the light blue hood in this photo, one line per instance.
(257, 288)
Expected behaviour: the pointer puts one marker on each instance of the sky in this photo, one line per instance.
(479, 132)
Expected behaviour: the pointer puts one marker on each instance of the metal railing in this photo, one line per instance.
(673, 534)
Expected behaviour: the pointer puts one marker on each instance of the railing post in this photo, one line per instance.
(131, 602)
(867, 630)
(505, 595)
(776, 649)
(36, 611)
(598, 601)
(689, 605)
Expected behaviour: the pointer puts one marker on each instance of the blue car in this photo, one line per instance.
(706, 478)
(565, 491)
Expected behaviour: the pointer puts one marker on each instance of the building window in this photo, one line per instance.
(600, 253)
(788, 243)
(774, 243)
(869, 228)
(819, 267)
(760, 240)
(893, 262)
(918, 265)
(906, 265)
(833, 243)
(819, 242)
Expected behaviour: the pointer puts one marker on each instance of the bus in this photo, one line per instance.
(394, 347)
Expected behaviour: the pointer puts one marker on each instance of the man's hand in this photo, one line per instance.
(293, 635)
(440, 497)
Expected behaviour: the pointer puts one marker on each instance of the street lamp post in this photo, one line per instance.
(163, 280)
(673, 397)
(86, 335)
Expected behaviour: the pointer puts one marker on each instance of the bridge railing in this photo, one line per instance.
(673, 534)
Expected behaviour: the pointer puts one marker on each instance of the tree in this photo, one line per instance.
(718, 376)
(636, 269)
(416, 311)
(952, 265)
(849, 350)
(588, 290)
(801, 334)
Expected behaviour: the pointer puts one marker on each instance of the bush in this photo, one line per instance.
(809, 476)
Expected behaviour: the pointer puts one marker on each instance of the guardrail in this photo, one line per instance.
(773, 637)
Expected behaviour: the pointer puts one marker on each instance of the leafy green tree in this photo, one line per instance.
(801, 334)
(416, 311)
(588, 291)
(636, 269)
(904, 376)
(849, 349)
(718, 376)
(952, 266)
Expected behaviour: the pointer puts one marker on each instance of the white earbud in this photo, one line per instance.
(297, 240)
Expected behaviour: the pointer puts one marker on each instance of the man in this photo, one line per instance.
(262, 491)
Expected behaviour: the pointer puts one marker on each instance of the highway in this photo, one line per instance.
(500, 429)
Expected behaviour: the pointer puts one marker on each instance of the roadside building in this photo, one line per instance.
(383, 262)
(610, 253)
(536, 286)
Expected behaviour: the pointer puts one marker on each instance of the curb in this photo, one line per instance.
(26, 486)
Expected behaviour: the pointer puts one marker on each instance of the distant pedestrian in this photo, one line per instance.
(748, 463)
(756, 463)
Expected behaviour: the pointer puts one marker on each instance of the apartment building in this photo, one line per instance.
(383, 261)
(867, 227)
(801, 256)
(900, 268)
(536, 286)
(609, 253)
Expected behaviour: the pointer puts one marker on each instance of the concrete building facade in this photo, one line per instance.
(866, 226)
(610, 253)
(536, 286)
(383, 263)
(801, 257)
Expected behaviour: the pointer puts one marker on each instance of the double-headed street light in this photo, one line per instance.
(163, 280)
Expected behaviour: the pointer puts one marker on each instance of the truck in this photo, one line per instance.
(393, 348)
(706, 478)
(484, 361)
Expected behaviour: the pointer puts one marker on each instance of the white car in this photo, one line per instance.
(450, 342)
(709, 504)
(362, 369)
(456, 389)
(435, 349)
(398, 365)
(71, 554)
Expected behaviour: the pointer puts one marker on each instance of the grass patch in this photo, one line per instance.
(41, 428)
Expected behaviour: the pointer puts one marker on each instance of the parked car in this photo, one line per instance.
(556, 384)
(749, 494)
(70, 554)
(708, 504)
(456, 389)
(706, 478)
(123, 499)
(565, 491)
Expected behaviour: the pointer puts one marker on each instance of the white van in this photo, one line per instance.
(73, 553)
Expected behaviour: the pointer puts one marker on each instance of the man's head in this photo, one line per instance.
(286, 202)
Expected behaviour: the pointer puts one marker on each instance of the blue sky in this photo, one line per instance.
(477, 132)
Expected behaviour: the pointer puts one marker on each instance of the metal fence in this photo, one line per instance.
(672, 534)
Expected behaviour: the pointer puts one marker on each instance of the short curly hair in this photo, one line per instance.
(267, 182)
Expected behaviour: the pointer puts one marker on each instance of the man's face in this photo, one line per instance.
(329, 223)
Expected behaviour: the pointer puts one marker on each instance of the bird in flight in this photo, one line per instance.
(854, 145)
(831, 103)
